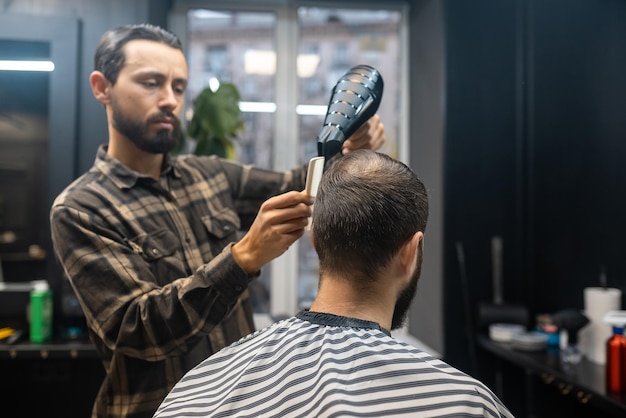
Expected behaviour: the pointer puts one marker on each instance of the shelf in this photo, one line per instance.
(56, 350)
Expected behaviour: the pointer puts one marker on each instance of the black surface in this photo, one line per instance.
(59, 379)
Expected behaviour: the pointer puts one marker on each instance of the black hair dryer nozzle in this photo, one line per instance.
(354, 99)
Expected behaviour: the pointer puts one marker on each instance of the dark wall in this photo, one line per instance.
(534, 143)
(577, 144)
(483, 170)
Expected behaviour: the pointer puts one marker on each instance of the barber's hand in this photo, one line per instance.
(370, 135)
(279, 223)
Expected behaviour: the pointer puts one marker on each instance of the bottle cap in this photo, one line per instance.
(40, 285)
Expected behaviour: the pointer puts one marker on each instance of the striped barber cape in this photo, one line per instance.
(323, 365)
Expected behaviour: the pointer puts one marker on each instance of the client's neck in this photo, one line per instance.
(339, 297)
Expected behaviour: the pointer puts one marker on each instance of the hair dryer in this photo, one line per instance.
(354, 99)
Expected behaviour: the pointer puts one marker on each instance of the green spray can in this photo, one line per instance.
(40, 312)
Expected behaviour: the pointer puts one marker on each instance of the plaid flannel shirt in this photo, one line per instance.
(151, 265)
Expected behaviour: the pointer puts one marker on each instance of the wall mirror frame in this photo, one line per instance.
(61, 33)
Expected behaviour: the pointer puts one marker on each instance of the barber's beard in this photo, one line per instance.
(137, 131)
(405, 299)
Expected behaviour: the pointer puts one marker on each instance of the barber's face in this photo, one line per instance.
(406, 297)
(148, 96)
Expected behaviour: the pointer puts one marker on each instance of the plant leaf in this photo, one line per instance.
(216, 120)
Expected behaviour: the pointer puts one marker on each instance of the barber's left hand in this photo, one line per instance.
(370, 135)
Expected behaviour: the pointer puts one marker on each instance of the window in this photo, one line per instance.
(215, 61)
(285, 59)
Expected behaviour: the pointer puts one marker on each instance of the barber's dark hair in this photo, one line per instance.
(109, 57)
(368, 205)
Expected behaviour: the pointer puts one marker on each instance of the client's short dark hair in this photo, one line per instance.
(368, 205)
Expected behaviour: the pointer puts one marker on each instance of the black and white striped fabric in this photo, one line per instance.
(322, 365)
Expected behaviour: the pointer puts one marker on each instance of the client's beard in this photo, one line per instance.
(405, 299)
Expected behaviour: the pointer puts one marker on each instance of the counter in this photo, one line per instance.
(581, 386)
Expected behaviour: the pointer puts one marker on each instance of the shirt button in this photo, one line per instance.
(187, 239)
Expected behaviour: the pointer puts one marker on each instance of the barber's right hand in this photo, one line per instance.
(280, 222)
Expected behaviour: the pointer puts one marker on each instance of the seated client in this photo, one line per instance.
(338, 358)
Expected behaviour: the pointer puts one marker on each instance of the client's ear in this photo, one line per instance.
(408, 252)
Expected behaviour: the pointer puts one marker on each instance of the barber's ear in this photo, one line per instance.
(100, 86)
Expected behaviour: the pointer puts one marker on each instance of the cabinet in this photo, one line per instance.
(57, 379)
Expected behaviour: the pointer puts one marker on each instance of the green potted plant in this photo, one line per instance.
(215, 123)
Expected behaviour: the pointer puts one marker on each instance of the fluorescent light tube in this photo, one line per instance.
(15, 65)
